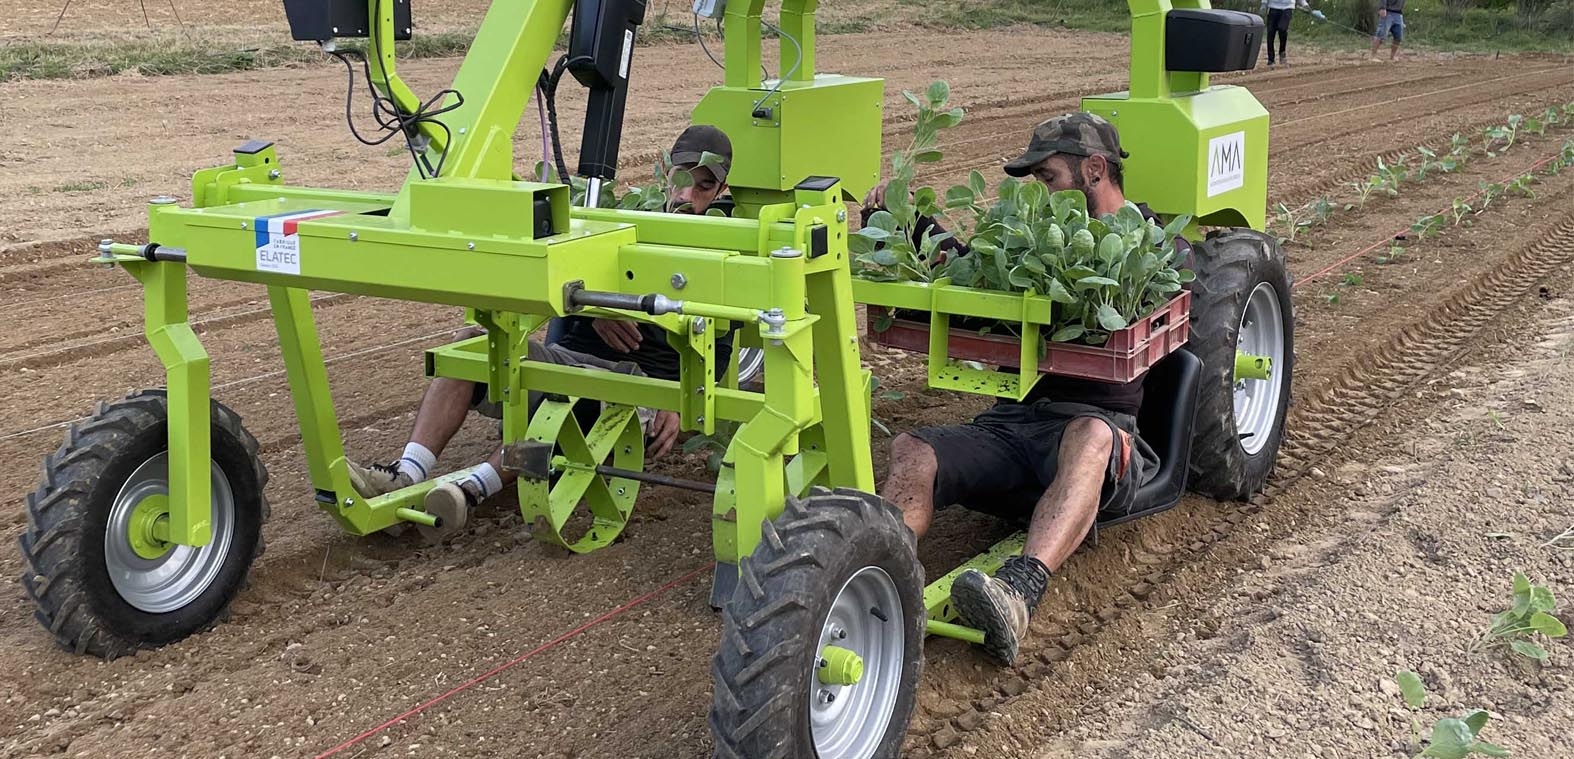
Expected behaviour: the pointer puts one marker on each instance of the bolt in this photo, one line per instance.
(505, 391)
(349, 502)
(274, 174)
(697, 326)
(162, 200)
(622, 491)
(699, 420)
(827, 697)
(679, 281)
(841, 215)
(505, 362)
(354, 237)
(243, 225)
(461, 130)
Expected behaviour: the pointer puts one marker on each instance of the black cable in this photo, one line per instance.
(427, 112)
(547, 84)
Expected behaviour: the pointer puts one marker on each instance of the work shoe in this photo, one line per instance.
(377, 479)
(451, 505)
(1001, 606)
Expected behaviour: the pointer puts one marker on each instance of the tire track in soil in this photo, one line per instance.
(1317, 427)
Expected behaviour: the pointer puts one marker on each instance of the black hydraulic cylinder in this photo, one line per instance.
(600, 53)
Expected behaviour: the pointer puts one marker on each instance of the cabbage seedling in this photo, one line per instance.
(1529, 617)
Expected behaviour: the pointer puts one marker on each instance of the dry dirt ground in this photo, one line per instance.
(335, 634)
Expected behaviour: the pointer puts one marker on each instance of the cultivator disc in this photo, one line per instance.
(550, 505)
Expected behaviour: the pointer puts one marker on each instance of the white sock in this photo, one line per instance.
(417, 462)
(483, 481)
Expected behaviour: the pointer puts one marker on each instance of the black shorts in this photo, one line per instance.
(1002, 462)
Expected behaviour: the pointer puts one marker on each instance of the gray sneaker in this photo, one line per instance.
(377, 479)
(990, 604)
(451, 505)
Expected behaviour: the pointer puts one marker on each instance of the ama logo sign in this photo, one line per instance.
(1226, 163)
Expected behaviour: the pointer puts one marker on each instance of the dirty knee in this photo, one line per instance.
(1089, 434)
(912, 451)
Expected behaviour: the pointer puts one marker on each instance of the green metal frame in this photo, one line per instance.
(465, 239)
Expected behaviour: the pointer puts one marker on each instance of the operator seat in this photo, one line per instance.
(1169, 404)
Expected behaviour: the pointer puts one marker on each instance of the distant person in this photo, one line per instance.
(1390, 20)
(1279, 12)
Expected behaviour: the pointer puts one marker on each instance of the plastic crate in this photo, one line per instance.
(1127, 355)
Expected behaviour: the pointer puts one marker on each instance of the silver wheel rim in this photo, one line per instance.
(183, 573)
(1257, 401)
(849, 721)
(751, 361)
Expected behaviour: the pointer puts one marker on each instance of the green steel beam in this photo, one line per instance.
(937, 596)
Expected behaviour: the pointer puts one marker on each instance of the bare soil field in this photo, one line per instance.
(336, 635)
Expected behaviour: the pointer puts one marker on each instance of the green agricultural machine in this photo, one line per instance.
(151, 513)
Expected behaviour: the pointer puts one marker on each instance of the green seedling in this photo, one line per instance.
(1321, 209)
(1494, 135)
(1460, 210)
(1551, 115)
(1351, 279)
(1519, 626)
(1364, 190)
(1392, 174)
(1428, 163)
(1515, 122)
(1536, 126)
(1395, 254)
(1287, 219)
(1426, 225)
(715, 444)
(1332, 299)
(1489, 192)
(1414, 693)
(1456, 737)
(1521, 185)
(1459, 147)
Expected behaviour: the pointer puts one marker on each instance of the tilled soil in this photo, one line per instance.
(335, 634)
(1392, 558)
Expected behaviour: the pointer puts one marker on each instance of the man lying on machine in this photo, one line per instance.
(595, 343)
(1063, 456)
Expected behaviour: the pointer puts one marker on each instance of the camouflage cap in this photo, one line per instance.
(1080, 133)
(698, 140)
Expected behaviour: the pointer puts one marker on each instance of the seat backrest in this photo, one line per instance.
(1169, 400)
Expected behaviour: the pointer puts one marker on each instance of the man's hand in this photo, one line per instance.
(1382, 12)
(663, 432)
(620, 336)
(876, 196)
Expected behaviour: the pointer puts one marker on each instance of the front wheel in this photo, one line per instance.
(822, 643)
(1243, 329)
(101, 579)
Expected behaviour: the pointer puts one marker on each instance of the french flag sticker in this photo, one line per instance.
(278, 244)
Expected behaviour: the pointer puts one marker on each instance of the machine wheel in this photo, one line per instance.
(100, 584)
(751, 364)
(1240, 305)
(822, 643)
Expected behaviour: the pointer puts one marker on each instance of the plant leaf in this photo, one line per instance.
(928, 156)
(1451, 739)
(1529, 650)
(1412, 689)
(1490, 749)
(1067, 333)
(1020, 277)
(939, 92)
(1088, 283)
(1475, 719)
(1110, 319)
(975, 182)
(1541, 599)
(1548, 625)
(1058, 292)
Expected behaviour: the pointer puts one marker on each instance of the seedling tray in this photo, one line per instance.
(897, 318)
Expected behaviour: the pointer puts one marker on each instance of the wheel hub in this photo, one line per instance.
(1259, 348)
(149, 528)
(149, 571)
(859, 661)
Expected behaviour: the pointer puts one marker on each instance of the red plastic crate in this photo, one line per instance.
(1127, 355)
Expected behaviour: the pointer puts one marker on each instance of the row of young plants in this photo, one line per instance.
(1103, 273)
(1521, 629)
(1392, 175)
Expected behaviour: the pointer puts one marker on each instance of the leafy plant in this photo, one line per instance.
(884, 249)
(1332, 298)
(1455, 738)
(1414, 694)
(1364, 190)
(1392, 174)
(1518, 627)
(1460, 210)
(1489, 192)
(1459, 147)
(1351, 279)
(1521, 184)
(1103, 273)
(1494, 135)
(716, 443)
(1428, 163)
(1288, 219)
(1395, 254)
(1322, 209)
(1551, 115)
(1426, 225)
(1515, 121)
(1536, 126)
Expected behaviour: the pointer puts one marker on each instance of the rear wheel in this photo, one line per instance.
(101, 579)
(1241, 313)
(822, 644)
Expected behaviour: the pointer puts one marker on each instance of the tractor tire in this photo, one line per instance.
(94, 589)
(1240, 302)
(836, 572)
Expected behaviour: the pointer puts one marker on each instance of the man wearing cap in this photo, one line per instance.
(1059, 458)
(595, 343)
